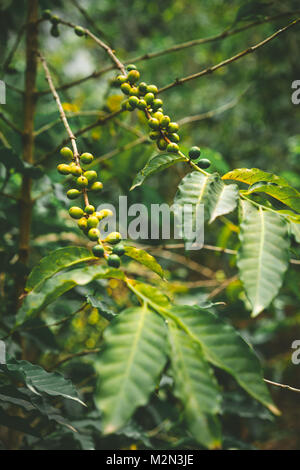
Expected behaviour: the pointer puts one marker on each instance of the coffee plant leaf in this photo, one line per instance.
(155, 164)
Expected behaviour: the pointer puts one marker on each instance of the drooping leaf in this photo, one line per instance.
(195, 387)
(104, 310)
(285, 194)
(56, 261)
(141, 256)
(148, 292)
(254, 175)
(155, 164)
(40, 381)
(129, 367)
(263, 255)
(224, 348)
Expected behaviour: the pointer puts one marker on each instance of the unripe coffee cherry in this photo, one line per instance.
(119, 249)
(114, 261)
(131, 67)
(204, 163)
(63, 169)
(67, 153)
(125, 87)
(142, 104)
(134, 91)
(133, 101)
(162, 144)
(156, 104)
(86, 158)
(82, 182)
(82, 223)
(97, 186)
(174, 137)
(165, 121)
(92, 222)
(154, 135)
(75, 170)
(54, 31)
(158, 115)
(129, 107)
(172, 127)
(152, 89)
(172, 148)
(153, 123)
(90, 175)
(113, 238)
(98, 251)
(104, 213)
(194, 152)
(142, 88)
(149, 97)
(47, 14)
(73, 193)
(79, 31)
(76, 212)
(89, 209)
(133, 76)
(121, 79)
(93, 234)
(55, 19)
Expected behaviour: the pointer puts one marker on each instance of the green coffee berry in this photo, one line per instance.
(174, 137)
(82, 223)
(165, 121)
(79, 31)
(125, 87)
(129, 107)
(162, 144)
(133, 76)
(82, 182)
(97, 186)
(63, 169)
(153, 123)
(76, 212)
(134, 91)
(149, 97)
(173, 127)
(154, 135)
(90, 175)
(86, 158)
(121, 79)
(90, 209)
(73, 193)
(47, 14)
(194, 152)
(93, 234)
(131, 67)
(113, 238)
(104, 213)
(156, 104)
(172, 148)
(114, 261)
(133, 101)
(204, 163)
(92, 222)
(124, 105)
(55, 19)
(54, 31)
(142, 88)
(119, 249)
(67, 153)
(152, 89)
(75, 170)
(142, 104)
(98, 251)
(158, 115)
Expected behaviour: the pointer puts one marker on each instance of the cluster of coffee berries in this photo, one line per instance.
(55, 20)
(142, 96)
(85, 181)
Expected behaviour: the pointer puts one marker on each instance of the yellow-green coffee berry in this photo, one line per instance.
(153, 123)
(174, 137)
(121, 79)
(79, 31)
(75, 170)
(149, 97)
(104, 213)
(113, 238)
(133, 76)
(142, 104)
(125, 87)
(63, 169)
(76, 212)
(172, 147)
(154, 135)
(90, 209)
(133, 100)
(82, 223)
(158, 115)
(142, 88)
(67, 153)
(90, 175)
(96, 186)
(172, 127)
(134, 91)
(98, 251)
(92, 222)
(156, 104)
(93, 234)
(82, 182)
(114, 261)
(73, 193)
(162, 144)
(86, 158)
(152, 89)
(131, 67)
(164, 122)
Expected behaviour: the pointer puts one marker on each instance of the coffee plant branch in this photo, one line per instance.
(175, 48)
(249, 50)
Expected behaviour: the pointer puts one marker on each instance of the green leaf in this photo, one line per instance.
(148, 293)
(254, 175)
(40, 381)
(224, 348)
(155, 164)
(263, 256)
(285, 194)
(104, 310)
(295, 229)
(195, 387)
(141, 256)
(48, 291)
(56, 261)
(129, 367)
(197, 188)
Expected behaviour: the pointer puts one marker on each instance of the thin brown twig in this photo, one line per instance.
(209, 70)
(288, 387)
(175, 48)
